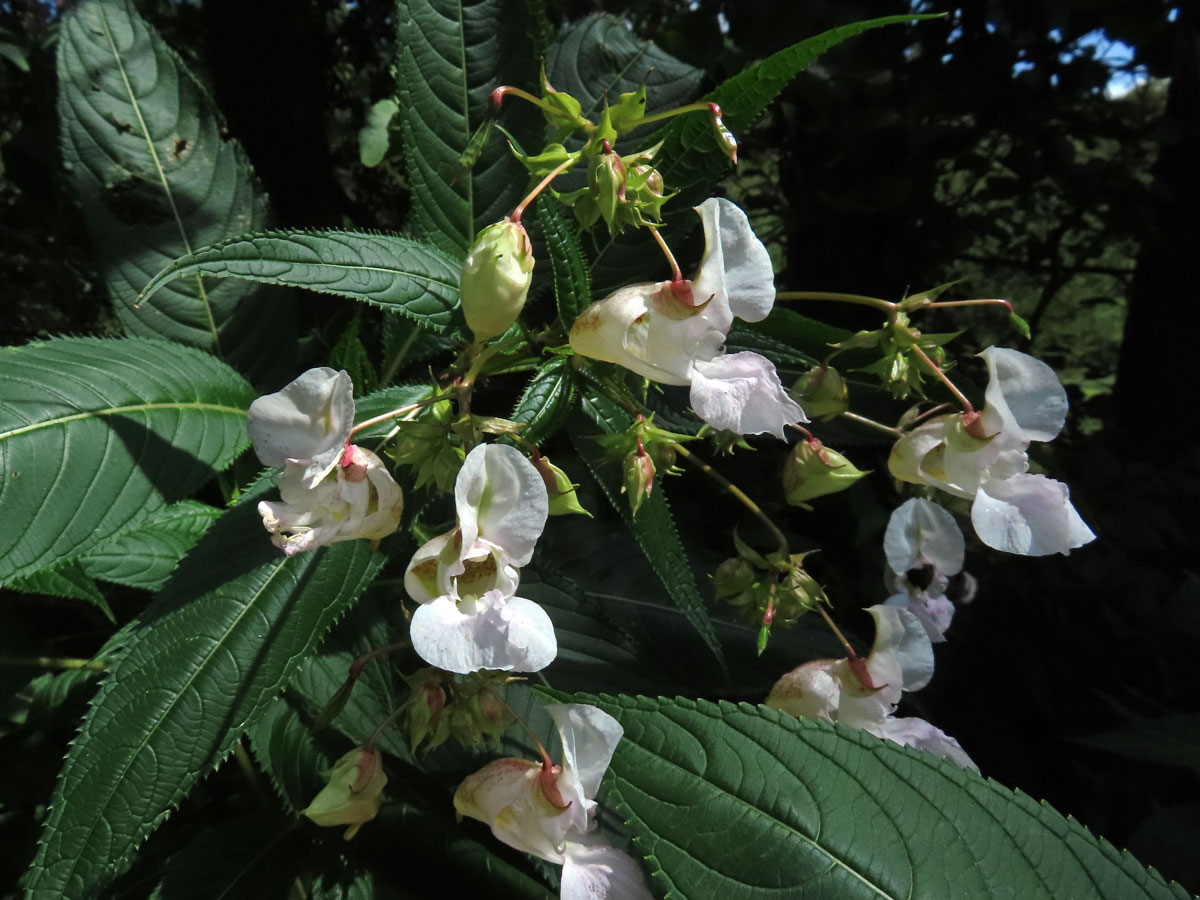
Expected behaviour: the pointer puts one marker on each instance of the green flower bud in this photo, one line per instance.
(733, 577)
(353, 793)
(608, 187)
(813, 470)
(560, 488)
(495, 278)
(822, 393)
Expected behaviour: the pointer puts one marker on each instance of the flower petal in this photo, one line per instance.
(599, 872)
(507, 796)
(902, 655)
(308, 421)
(1025, 394)
(502, 499)
(736, 267)
(741, 392)
(589, 738)
(921, 533)
(1030, 515)
(617, 329)
(494, 632)
(919, 733)
(934, 610)
(811, 691)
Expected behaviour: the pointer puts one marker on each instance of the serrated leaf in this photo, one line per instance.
(383, 270)
(96, 435)
(600, 57)
(548, 398)
(572, 283)
(690, 153)
(67, 580)
(653, 527)
(744, 337)
(351, 354)
(450, 56)
(146, 556)
(745, 802)
(284, 748)
(205, 660)
(158, 176)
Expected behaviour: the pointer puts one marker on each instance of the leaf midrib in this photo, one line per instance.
(117, 410)
(217, 645)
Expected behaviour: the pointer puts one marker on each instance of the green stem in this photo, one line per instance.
(857, 299)
(937, 370)
(871, 423)
(54, 662)
(516, 214)
(676, 274)
(394, 364)
(946, 304)
(503, 91)
(402, 411)
(677, 111)
(837, 632)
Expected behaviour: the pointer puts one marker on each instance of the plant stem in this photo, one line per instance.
(871, 423)
(937, 370)
(515, 216)
(739, 494)
(402, 411)
(677, 275)
(677, 111)
(54, 662)
(945, 304)
(858, 299)
(836, 631)
(504, 90)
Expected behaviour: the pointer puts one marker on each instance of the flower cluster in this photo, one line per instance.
(864, 693)
(673, 332)
(549, 810)
(331, 490)
(466, 579)
(984, 459)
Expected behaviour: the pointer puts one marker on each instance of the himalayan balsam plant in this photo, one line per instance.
(375, 602)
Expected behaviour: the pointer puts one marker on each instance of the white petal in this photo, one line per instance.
(736, 266)
(1025, 393)
(502, 499)
(741, 392)
(308, 421)
(589, 738)
(506, 795)
(902, 654)
(618, 329)
(934, 610)
(512, 634)
(1028, 514)
(921, 533)
(421, 577)
(811, 691)
(918, 457)
(599, 872)
(919, 733)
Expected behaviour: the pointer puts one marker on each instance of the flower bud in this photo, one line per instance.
(725, 138)
(822, 393)
(608, 187)
(353, 793)
(495, 278)
(639, 478)
(560, 488)
(813, 470)
(733, 577)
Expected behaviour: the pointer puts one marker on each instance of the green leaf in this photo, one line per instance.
(204, 661)
(600, 57)
(249, 859)
(743, 336)
(373, 136)
(572, 283)
(67, 580)
(284, 748)
(450, 56)
(157, 175)
(548, 399)
(351, 354)
(690, 153)
(383, 270)
(146, 556)
(95, 435)
(653, 527)
(745, 802)
(1020, 324)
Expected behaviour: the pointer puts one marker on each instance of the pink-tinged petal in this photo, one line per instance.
(920, 734)
(921, 533)
(934, 610)
(493, 632)
(736, 268)
(1030, 515)
(811, 691)
(308, 421)
(902, 655)
(595, 871)
(741, 392)
(501, 499)
(1025, 394)
(589, 738)
(506, 795)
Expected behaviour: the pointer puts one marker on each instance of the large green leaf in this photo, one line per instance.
(745, 802)
(450, 56)
(157, 175)
(572, 282)
(548, 398)
(600, 57)
(145, 556)
(213, 649)
(97, 434)
(384, 270)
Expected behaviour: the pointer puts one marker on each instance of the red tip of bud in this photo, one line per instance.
(605, 146)
(973, 425)
(497, 97)
(715, 110)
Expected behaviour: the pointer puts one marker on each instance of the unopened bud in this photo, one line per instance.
(495, 278)
(733, 577)
(822, 393)
(353, 793)
(813, 470)
(561, 489)
(639, 478)
(608, 186)
(725, 138)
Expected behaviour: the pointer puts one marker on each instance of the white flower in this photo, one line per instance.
(1012, 510)
(306, 423)
(466, 579)
(549, 810)
(864, 693)
(331, 490)
(673, 332)
(921, 535)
